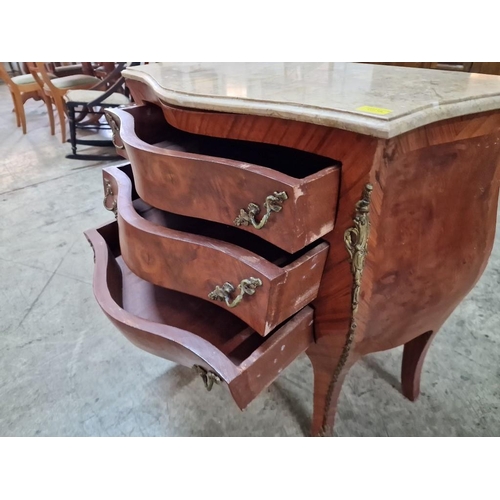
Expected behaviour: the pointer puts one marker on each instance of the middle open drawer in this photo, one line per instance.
(256, 281)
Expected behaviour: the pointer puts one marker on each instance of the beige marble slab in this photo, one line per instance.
(383, 101)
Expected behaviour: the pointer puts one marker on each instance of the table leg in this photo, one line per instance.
(331, 363)
(413, 360)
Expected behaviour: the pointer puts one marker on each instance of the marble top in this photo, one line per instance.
(383, 101)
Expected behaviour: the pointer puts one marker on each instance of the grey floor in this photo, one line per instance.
(66, 371)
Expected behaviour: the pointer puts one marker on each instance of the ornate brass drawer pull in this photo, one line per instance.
(109, 192)
(209, 378)
(247, 286)
(272, 204)
(114, 130)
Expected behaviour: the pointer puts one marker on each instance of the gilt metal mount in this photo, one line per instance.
(356, 243)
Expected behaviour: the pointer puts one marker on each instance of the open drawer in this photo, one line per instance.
(190, 331)
(285, 196)
(254, 280)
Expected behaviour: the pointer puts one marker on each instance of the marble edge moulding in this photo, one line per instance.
(355, 121)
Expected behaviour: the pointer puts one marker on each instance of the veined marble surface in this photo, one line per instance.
(383, 101)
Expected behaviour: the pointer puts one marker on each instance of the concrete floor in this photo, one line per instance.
(66, 371)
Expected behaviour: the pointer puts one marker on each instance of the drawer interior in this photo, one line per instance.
(191, 323)
(293, 162)
(154, 303)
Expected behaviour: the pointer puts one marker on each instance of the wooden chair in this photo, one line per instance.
(22, 88)
(92, 104)
(56, 88)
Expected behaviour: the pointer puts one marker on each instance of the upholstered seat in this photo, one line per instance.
(56, 88)
(66, 82)
(88, 96)
(26, 79)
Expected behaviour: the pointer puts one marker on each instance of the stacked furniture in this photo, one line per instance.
(85, 109)
(489, 68)
(266, 210)
(56, 88)
(22, 88)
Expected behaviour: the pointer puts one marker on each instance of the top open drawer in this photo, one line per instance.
(285, 196)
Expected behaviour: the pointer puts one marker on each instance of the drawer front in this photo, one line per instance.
(263, 294)
(190, 331)
(287, 211)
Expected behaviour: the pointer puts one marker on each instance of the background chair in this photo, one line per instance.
(61, 69)
(91, 104)
(22, 88)
(99, 69)
(56, 88)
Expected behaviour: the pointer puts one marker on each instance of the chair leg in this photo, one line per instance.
(413, 360)
(62, 117)
(18, 120)
(72, 128)
(20, 110)
(50, 111)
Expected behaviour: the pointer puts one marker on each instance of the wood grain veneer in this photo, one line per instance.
(433, 214)
(214, 179)
(164, 250)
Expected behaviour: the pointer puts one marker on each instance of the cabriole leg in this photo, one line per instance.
(413, 360)
(330, 365)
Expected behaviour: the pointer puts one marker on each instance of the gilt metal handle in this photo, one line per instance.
(222, 293)
(272, 204)
(209, 378)
(115, 131)
(107, 193)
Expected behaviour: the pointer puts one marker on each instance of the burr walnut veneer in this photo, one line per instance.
(269, 210)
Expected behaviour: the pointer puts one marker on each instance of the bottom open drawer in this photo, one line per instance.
(191, 331)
